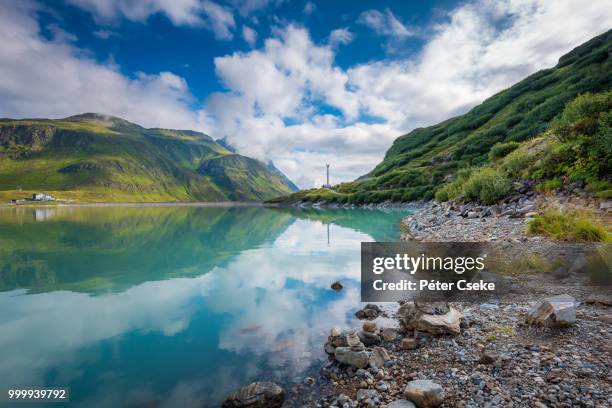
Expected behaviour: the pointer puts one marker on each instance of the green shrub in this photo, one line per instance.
(549, 185)
(502, 149)
(454, 188)
(486, 185)
(517, 163)
(567, 227)
(580, 116)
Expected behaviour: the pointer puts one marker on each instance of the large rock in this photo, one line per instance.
(424, 393)
(355, 358)
(558, 310)
(256, 395)
(413, 317)
(402, 403)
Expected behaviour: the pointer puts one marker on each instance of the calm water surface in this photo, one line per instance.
(174, 306)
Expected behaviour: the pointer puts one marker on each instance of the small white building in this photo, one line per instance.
(42, 197)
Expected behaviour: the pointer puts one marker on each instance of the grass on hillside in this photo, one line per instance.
(498, 133)
(571, 227)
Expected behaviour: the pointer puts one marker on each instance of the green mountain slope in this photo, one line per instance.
(420, 162)
(93, 157)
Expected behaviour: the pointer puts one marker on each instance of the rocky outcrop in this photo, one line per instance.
(256, 395)
(553, 311)
(424, 393)
(444, 319)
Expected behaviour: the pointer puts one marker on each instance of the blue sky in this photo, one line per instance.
(300, 83)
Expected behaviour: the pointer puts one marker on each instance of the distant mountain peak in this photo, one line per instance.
(99, 118)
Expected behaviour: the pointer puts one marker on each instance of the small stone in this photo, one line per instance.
(378, 357)
(370, 311)
(424, 393)
(367, 338)
(353, 340)
(488, 358)
(309, 381)
(389, 334)
(369, 326)
(408, 343)
(364, 394)
(256, 395)
(337, 286)
(335, 331)
(402, 403)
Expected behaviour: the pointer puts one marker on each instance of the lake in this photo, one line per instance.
(174, 306)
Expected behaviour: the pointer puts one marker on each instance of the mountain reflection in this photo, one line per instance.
(173, 306)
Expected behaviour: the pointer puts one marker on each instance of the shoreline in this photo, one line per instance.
(139, 204)
(499, 359)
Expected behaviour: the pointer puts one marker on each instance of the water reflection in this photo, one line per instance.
(173, 306)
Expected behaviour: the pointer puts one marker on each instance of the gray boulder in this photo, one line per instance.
(256, 395)
(355, 358)
(413, 317)
(558, 310)
(424, 393)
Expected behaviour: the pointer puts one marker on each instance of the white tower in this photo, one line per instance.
(327, 185)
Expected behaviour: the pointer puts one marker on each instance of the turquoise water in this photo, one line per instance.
(174, 306)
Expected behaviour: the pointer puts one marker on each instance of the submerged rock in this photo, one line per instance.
(558, 310)
(337, 286)
(424, 393)
(256, 395)
(413, 317)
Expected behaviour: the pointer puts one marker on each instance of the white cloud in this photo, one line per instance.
(478, 49)
(42, 78)
(288, 100)
(104, 34)
(384, 23)
(219, 19)
(178, 11)
(340, 36)
(309, 8)
(249, 35)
